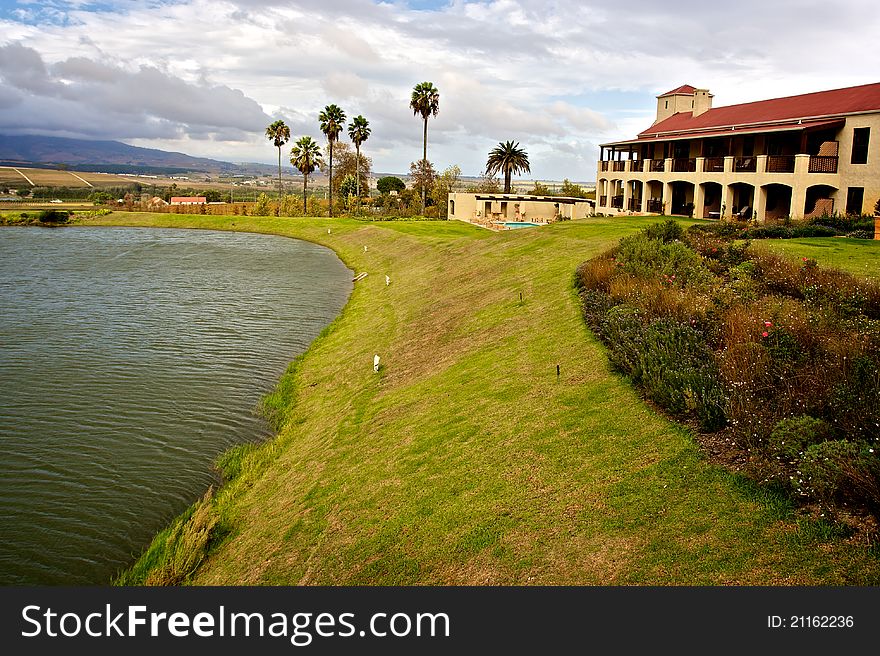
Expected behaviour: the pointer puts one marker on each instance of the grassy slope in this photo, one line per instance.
(466, 461)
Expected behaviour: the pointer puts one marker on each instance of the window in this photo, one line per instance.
(861, 136)
(667, 105)
(854, 198)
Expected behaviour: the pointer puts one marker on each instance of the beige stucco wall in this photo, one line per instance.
(466, 207)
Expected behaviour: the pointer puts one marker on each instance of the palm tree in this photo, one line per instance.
(332, 121)
(306, 157)
(278, 133)
(425, 101)
(358, 132)
(508, 158)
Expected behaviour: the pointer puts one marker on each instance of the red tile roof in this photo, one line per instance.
(837, 102)
(685, 89)
(188, 199)
(787, 126)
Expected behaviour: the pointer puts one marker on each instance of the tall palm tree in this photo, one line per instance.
(358, 132)
(332, 121)
(508, 158)
(306, 157)
(425, 101)
(278, 133)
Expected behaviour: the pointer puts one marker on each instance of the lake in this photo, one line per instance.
(129, 360)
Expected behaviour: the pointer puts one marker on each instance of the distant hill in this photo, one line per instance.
(106, 156)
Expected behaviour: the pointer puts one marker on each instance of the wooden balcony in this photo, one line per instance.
(823, 164)
(603, 165)
(657, 165)
(684, 164)
(617, 202)
(603, 201)
(636, 165)
(713, 165)
(780, 164)
(634, 205)
(655, 205)
(618, 166)
(745, 164)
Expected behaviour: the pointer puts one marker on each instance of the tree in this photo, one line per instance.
(347, 162)
(425, 102)
(358, 132)
(348, 188)
(422, 174)
(540, 189)
(262, 206)
(279, 134)
(508, 158)
(306, 157)
(443, 186)
(572, 190)
(488, 184)
(389, 183)
(332, 121)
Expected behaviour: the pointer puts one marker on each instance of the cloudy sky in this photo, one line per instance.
(205, 77)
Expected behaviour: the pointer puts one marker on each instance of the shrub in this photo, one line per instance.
(845, 472)
(678, 372)
(792, 437)
(861, 234)
(54, 216)
(666, 232)
(644, 257)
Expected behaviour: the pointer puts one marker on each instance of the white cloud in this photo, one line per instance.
(206, 75)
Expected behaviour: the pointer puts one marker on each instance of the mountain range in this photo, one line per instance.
(109, 156)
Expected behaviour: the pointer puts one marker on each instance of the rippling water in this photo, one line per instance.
(129, 359)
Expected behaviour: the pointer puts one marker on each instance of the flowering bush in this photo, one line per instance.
(783, 354)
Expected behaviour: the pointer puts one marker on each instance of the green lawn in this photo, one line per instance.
(466, 460)
(858, 256)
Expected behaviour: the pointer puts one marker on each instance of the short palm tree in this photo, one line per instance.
(358, 132)
(425, 102)
(279, 134)
(508, 158)
(306, 157)
(332, 121)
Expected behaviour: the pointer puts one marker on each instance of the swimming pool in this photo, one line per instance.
(512, 225)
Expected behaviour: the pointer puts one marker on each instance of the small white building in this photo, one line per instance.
(503, 211)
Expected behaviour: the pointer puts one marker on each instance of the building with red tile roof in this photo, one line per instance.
(797, 156)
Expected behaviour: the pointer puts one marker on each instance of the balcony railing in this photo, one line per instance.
(655, 205)
(634, 204)
(823, 164)
(657, 165)
(603, 165)
(713, 165)
(636, 165)
(603, 201)
(745, 164)
(617, 202)
(684, 164)
(618, 166)
(780, 164)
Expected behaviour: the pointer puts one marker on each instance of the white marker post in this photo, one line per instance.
(365, 249)
(387, 281)
(376, 363)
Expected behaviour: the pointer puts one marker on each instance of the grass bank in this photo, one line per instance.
(466, 460)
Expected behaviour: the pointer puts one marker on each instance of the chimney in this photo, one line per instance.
(702, 102)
